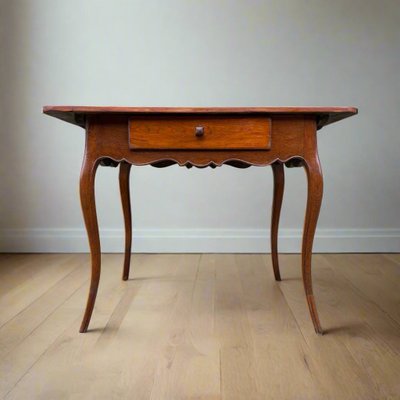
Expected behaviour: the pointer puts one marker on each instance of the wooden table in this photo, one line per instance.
(201, 137)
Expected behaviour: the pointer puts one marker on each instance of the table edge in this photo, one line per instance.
(76, 114)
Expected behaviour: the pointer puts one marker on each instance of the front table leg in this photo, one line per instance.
(87, 194)
(314, 199)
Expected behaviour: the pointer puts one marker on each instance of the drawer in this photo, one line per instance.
(186, 132)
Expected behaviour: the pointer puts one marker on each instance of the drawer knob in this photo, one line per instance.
(199, 132)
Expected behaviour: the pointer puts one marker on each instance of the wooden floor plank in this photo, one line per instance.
(199, 327)
(133, 352)
(374, 338)
(180, 358)
(364, 307)
(189, 362)
(375, 276)
(40, 363)
(19, 269)
(279, 347)
(50, 271)
(349, 342)
(24, 323)
(393, 256)
(238, 369)
(202, 375)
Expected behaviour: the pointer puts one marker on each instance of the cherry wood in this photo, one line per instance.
(76, 114)
(279, 185)
(124, 173)
(292, 141)
(109, 140)
(200, 132)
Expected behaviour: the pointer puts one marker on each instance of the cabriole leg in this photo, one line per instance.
(314, 199)
(124, 173)
(279, 184)
(87, 194)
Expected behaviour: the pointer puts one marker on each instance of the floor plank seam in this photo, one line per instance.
(49, 347)
(40, 296)
(365, 297)
(251, 336)
(389, 346)
(165, 340)
(45, 319)
(230, 340)
(393, 259)
(195, 278)
(278, 284)
(221, 385)
(293, 315)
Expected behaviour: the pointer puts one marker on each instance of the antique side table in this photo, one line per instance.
(201, 137)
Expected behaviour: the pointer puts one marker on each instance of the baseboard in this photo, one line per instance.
(200, 240)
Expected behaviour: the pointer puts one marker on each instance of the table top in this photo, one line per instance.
(76, 114)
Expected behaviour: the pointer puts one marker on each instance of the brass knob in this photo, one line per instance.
(199, 132)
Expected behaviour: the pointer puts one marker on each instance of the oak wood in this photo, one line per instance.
(374, 278)
(124, 173)
(24, 321)
(23, 285)
(201, 137)
(217, 132)
(56, 328)
(279, 185)
(358, 329)
(185, 328)
(272, 330)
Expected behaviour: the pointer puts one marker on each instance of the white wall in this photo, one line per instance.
(199, 53)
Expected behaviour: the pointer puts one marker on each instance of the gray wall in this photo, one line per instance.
(199, 53)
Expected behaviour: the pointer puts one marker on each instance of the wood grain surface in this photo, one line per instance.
(216, 132)
(199, 327)
(77, 114)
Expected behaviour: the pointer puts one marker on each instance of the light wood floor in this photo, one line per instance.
(199, 327)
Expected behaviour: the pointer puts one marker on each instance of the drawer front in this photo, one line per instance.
(200, 132)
